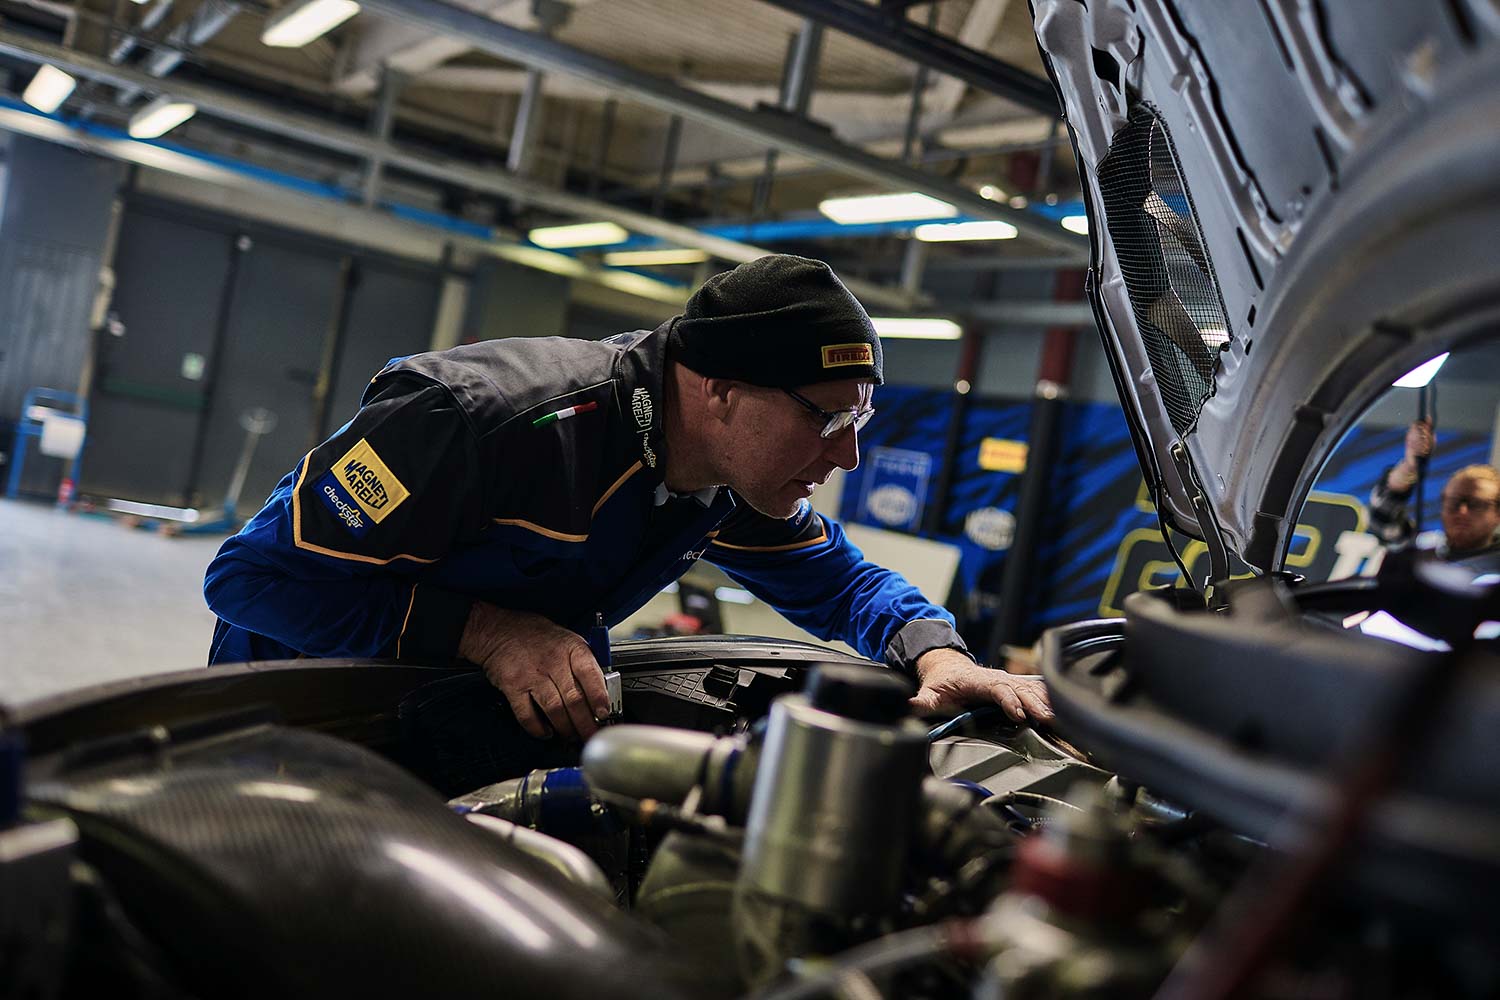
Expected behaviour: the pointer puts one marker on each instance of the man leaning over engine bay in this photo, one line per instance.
(490, 502)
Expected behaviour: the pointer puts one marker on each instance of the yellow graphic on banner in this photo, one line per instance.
(843, 355)
(1000, 455)
(372, 485)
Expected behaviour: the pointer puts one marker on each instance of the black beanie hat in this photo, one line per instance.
(778, 321)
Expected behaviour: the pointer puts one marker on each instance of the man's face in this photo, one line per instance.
(776, 453)
(1470, 514)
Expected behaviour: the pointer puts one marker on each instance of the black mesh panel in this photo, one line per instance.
(1166, 268)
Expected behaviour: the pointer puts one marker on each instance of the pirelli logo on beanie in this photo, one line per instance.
(847, 355)
(368, 482)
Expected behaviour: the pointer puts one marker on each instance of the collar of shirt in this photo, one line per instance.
(705, 496)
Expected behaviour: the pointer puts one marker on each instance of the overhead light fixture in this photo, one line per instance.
(916, 327)
(952, 232)
(885, 208)
(649, 258)
(48, 89)
(160, 117)
(1422, 374)
(301, 21)
(581, 234)
(1076, 224)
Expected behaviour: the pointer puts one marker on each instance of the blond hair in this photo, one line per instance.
(1487, 473)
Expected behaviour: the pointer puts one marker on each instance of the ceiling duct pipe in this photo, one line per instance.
(207, 21)
(150, 21)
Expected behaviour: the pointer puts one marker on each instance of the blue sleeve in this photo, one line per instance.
(329, 565)
(809, 571)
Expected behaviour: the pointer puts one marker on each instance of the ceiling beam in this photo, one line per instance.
(1024, 313)
(908, 39)
(326, 216)
(352, 142)
(780, 131)
(977, 31)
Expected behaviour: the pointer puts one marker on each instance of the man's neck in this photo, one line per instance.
(685, 469)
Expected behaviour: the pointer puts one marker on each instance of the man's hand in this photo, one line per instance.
(1403, 474)
(952, 680)
(1418, 440)
(547, 673)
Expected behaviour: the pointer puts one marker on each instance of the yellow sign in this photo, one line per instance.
(373, 486)
(1000, 455)
(844, 355)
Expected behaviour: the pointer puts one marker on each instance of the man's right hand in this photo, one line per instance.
(546, 672)
(1418, 446)
(1418, 440)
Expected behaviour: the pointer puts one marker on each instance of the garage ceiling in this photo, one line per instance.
(663, 111)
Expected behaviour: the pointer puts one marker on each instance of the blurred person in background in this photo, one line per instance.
(1470, 501)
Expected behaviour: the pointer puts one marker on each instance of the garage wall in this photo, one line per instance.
(218, 317)
(52, 232)
(508, 300)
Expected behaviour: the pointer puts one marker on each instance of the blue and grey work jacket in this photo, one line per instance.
(451, 486)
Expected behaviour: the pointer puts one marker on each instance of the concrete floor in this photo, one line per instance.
(84, 600)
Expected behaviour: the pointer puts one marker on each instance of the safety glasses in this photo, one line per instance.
(1451, 505)
(835, 421)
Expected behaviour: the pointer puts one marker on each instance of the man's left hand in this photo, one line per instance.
(951, 680)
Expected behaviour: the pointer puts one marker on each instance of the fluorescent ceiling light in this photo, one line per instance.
(304, 20)
(916, 327)
(1422, 374)
(160, 117)
(885, 208)
(48, 89)
(646, 258)
(952, 232)
(1076, 224)
(582, 234)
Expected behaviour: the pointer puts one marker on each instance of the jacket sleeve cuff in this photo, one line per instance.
(434, 623)
(1383, 485)
(921, 636)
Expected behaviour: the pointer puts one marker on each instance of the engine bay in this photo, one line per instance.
(769, 819)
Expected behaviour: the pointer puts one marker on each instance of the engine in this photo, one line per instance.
(767, 824)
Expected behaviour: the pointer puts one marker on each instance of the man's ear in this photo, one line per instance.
(720, 397)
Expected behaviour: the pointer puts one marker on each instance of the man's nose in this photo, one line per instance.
(843, 449)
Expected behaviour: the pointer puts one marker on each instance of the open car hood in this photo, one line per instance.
(1290, 204)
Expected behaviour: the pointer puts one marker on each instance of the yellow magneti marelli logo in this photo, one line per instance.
(841, 355)
(373, 486)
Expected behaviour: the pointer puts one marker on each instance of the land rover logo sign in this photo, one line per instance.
(990, 528)
(892, 504)
(640, 405)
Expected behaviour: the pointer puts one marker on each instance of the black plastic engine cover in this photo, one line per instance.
(277, 862)
(1247, 716)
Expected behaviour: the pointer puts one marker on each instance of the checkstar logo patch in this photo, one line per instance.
(337, 499)
(845, 355)
(366, 480)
